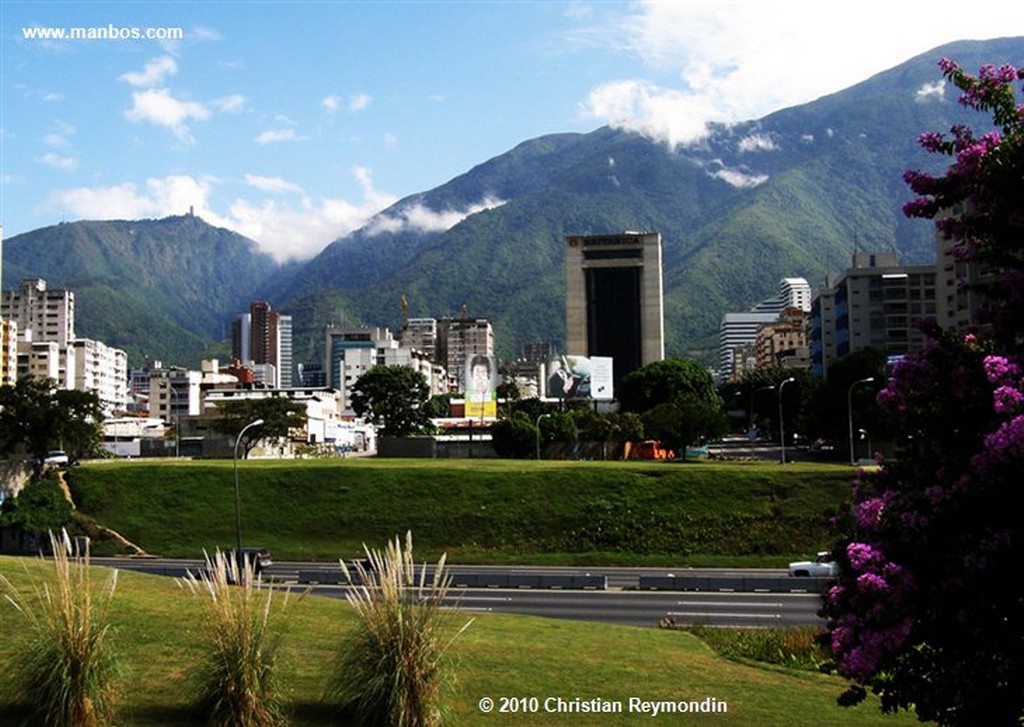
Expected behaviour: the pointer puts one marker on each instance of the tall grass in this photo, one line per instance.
(796, 648)
(236, 683)
(394, 669)
(67, 669)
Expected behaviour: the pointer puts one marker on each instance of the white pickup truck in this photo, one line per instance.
(821, 567)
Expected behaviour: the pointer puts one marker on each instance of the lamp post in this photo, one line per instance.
(238, 497)
(782, 432)
(849, 411)
(864, 434)
(770, 387)
(538, 433)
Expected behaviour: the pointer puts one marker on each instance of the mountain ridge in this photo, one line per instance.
(794, 193)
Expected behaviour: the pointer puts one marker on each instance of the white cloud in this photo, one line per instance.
(59, 137)
(740, 179)
(331, 102)
(63, 163)
(271, 184)
(158, 106)
(929, 91)
(734, 60)
(659, 113)
(359, 102)
(153, 73)
(273, 136)
(281, 229)
(230, 104)
(757, 142)
(423, 219)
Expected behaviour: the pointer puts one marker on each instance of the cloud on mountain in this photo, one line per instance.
(284, 229)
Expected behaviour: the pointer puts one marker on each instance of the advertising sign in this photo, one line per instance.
(579, 377)
(481, 379)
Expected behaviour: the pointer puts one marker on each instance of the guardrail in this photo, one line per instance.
(739, 583)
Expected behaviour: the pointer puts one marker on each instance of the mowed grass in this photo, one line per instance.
(157, 634)
(482, 511)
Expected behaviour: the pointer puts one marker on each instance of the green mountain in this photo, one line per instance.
(791, 194)
(161, 289)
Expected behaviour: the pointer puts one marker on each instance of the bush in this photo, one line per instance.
(67, 670)
(236, 683)
(394, 669)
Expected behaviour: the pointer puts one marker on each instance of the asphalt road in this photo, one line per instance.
(621, 603)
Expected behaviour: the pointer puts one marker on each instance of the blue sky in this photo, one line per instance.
(295, 122)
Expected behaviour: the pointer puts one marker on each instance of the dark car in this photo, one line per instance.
(257, 558)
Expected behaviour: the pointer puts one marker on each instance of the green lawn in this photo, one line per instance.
(503, 511)
(156, 632)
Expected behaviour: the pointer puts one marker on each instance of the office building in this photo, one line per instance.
(613, 298)
(875, 303)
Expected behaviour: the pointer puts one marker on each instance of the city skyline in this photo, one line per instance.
(295, 123)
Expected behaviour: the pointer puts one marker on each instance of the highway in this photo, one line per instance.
(620, 603)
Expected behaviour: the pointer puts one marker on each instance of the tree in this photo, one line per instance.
(36, 414)
(687, 419)
(515, 437)
(660, 382)
(927, 610)
(280, 416)
(392, 397)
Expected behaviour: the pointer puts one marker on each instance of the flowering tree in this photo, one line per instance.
(929, 610)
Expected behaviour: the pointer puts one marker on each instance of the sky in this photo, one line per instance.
(294, 123)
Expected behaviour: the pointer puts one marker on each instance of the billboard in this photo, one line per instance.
(580, 377)
(481, 377)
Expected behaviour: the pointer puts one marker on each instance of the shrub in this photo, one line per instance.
(235, 683)
(67, 669)
(394, 668)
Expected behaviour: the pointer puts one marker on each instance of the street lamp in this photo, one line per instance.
(849, 410)
(782, 433)
(864, 434)
(238, 498)
(770, 387)
(538, 433)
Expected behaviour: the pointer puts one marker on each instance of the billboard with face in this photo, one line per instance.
(481, 377)
(579, 377)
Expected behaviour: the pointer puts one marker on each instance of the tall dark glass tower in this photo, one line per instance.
(613, 298)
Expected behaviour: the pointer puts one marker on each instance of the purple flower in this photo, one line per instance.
(869, 512)
(1006, 399)
(860, 554)
(1000, 370)
(871, 582)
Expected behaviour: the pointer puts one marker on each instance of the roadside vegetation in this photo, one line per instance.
(64, 662)
(478, 511)
(156, 633)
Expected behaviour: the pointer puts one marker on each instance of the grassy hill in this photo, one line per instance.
(476, 510)
(156, 632)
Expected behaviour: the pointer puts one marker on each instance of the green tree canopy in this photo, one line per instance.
(687, 419)
(38, 415)
(392, 397)
(280, 416)
(660, 382)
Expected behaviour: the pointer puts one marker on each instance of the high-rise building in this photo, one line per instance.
(263, 337)
(459, 339)
(613, 298)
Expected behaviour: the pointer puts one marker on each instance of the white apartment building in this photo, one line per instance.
(40, 314)
(102, 369)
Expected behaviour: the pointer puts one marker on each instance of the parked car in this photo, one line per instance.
(57, 458)
(823, 566)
